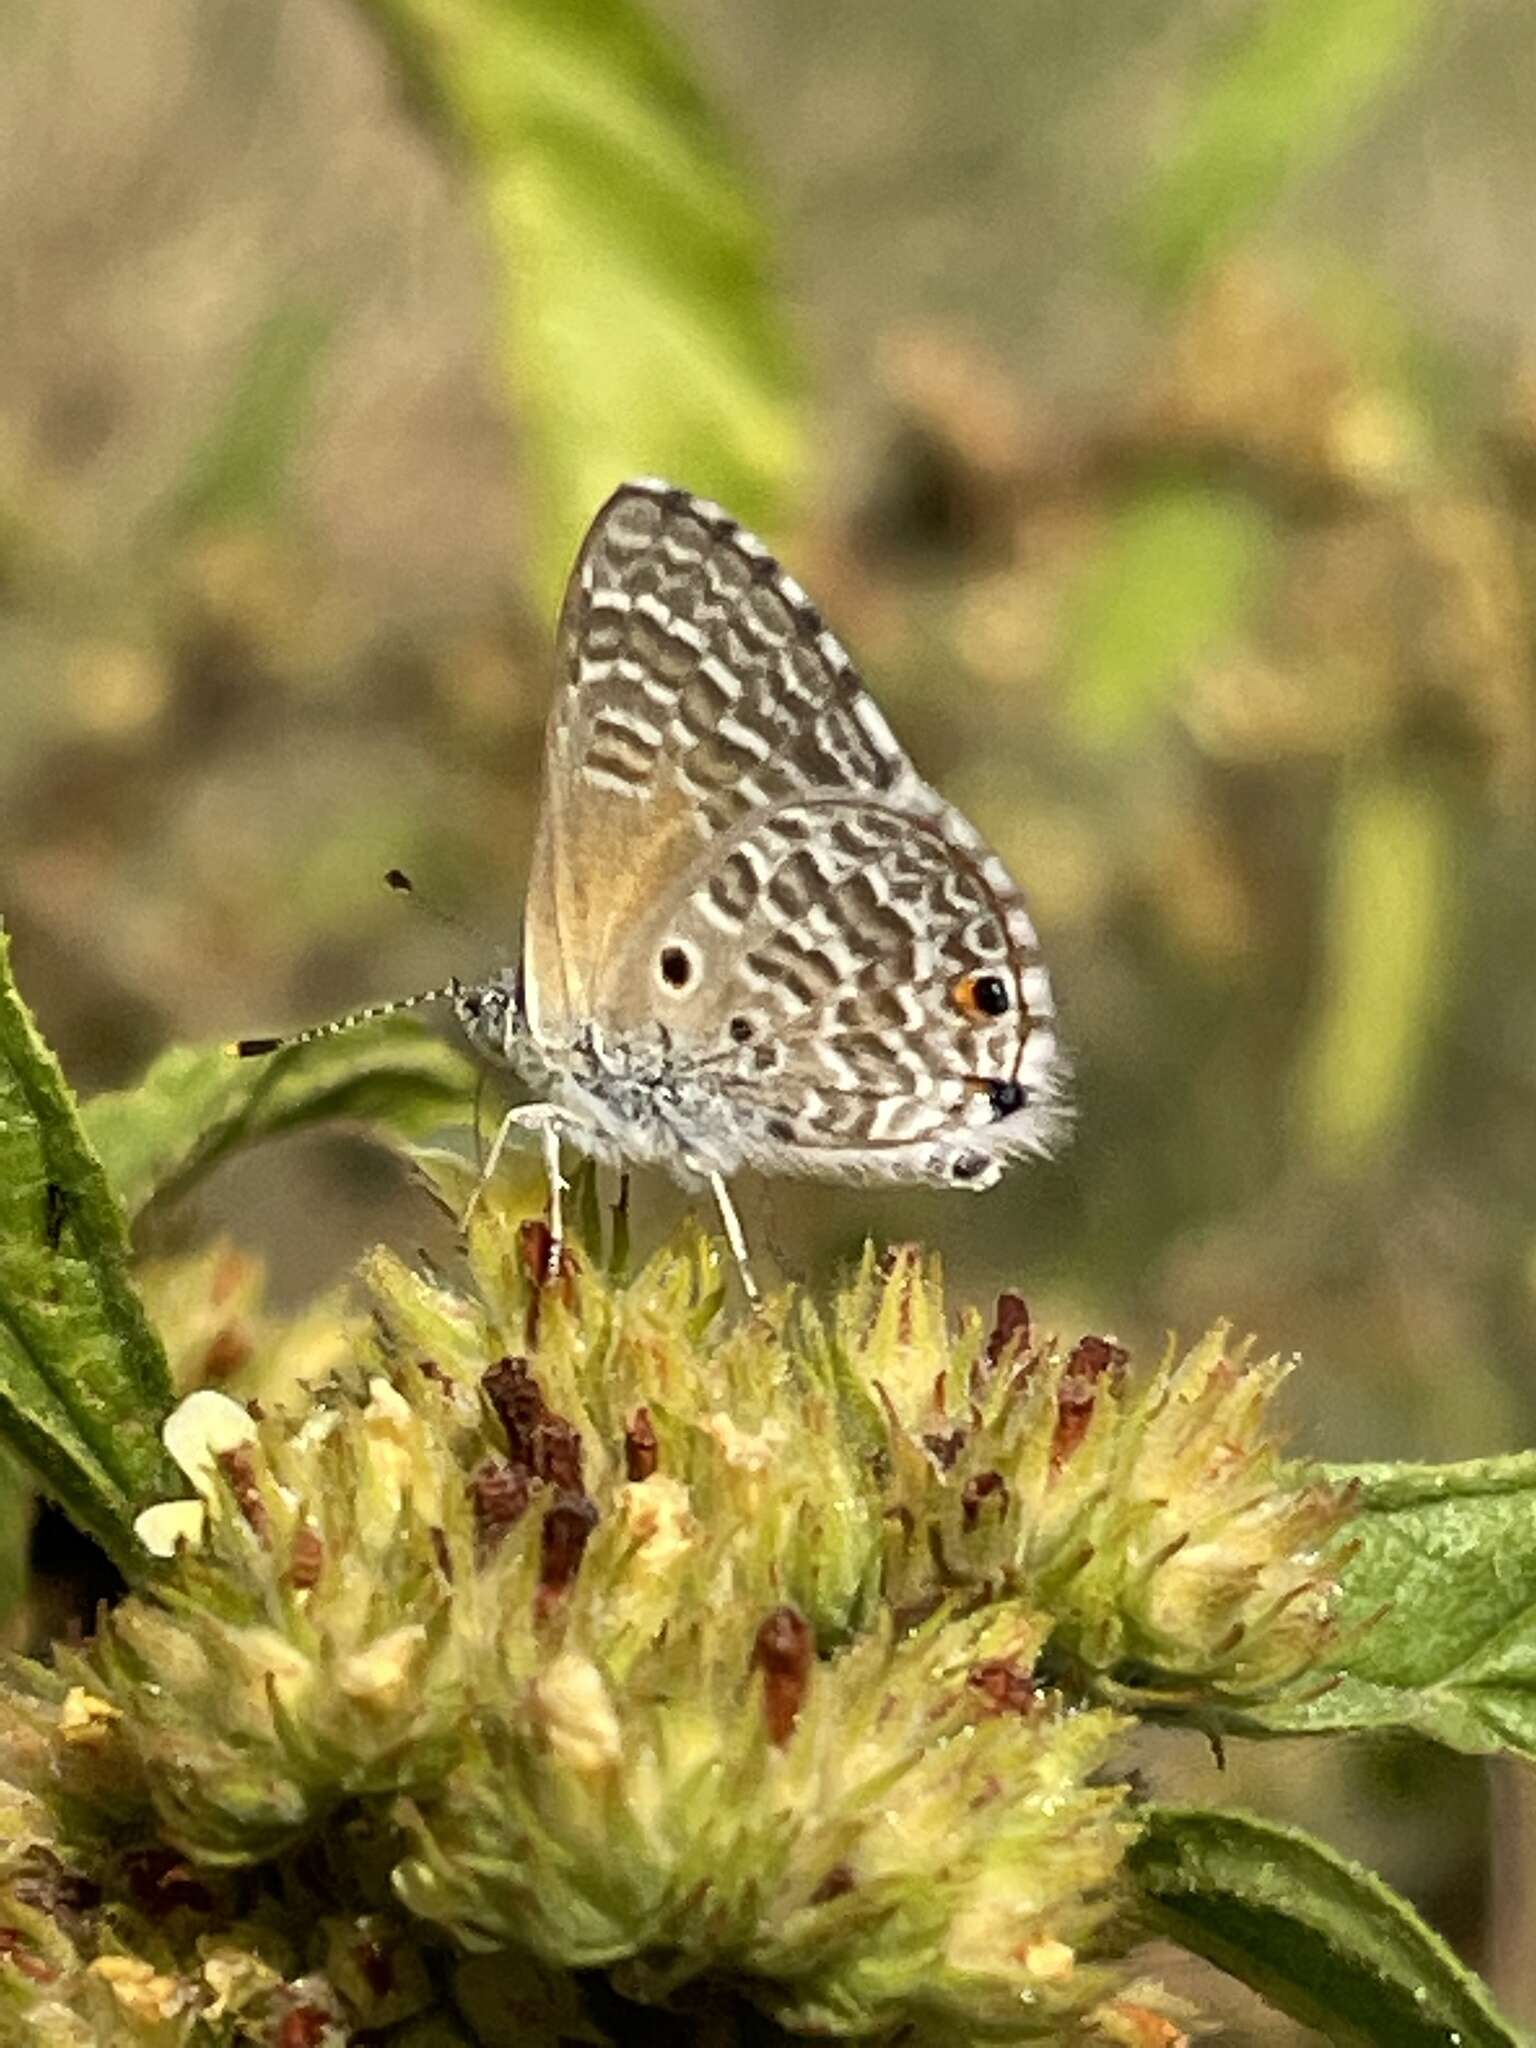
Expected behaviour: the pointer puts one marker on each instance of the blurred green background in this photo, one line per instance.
(1148, 396)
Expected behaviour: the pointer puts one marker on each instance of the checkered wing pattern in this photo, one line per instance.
(735, 848)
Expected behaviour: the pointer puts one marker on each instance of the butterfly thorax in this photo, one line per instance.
(630, 1097)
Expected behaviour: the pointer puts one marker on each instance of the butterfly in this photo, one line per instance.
(753, 937)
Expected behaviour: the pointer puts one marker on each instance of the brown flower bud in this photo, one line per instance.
(640, 1452)
(567, 1529)
(783, 1651)
(498, 1496)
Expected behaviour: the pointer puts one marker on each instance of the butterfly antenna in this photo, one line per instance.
(398, 880)
(252, 1048)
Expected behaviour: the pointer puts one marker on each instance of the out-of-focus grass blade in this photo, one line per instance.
(197, 1104)
(83, 1380)
(1292, 88)
(1387, 943)
(1178, 572)
(640, 333)
(240, 469)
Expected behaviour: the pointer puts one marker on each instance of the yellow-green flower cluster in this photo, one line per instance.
(568, 1626)
(902, 1834)
(1181, 1560)
(111, 1938)
(305, 1649)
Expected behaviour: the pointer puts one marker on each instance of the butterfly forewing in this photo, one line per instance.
(699, 684)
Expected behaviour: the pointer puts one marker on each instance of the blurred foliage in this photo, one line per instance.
(198, 1104)
(1299, 78)
(1176, 434)
(640, 334)
(238, 475)
(1176, 574)
(1385, 914)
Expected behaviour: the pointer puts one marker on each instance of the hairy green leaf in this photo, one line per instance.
(1319, 1937)
(196, 1105)
(83, 1380)
(640, 332)
(1439, 1619)
(1291, 90)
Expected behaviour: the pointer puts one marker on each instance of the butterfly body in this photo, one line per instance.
(642, 1100)
(628, 1100)
(754, 937)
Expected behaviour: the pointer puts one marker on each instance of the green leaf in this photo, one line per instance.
(83, 1380)
(1439, 1613)
(196, 1105)
(1290, 91)
(1178, 573)
(640, 331)
(1385, 924)
(16, 1498)
(1319, 1937)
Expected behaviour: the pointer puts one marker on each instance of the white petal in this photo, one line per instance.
(163, 1528)
(200, 1428)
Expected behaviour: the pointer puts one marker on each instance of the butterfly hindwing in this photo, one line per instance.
(855, 979)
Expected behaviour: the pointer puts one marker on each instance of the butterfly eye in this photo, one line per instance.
(677, 966)
(980, 995)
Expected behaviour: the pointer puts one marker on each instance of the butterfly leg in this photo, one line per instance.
(546, 1119)
(735, 1237)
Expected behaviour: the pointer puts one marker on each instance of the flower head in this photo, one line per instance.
(569, 1625)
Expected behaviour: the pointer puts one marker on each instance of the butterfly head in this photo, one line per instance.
(492, 1015)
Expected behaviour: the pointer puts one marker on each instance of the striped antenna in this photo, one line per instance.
(252, 1048)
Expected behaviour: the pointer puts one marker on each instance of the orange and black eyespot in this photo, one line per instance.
(981, 995)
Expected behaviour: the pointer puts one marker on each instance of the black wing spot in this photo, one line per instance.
(741, 1029)
(676, 966)
(1006, 1097)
